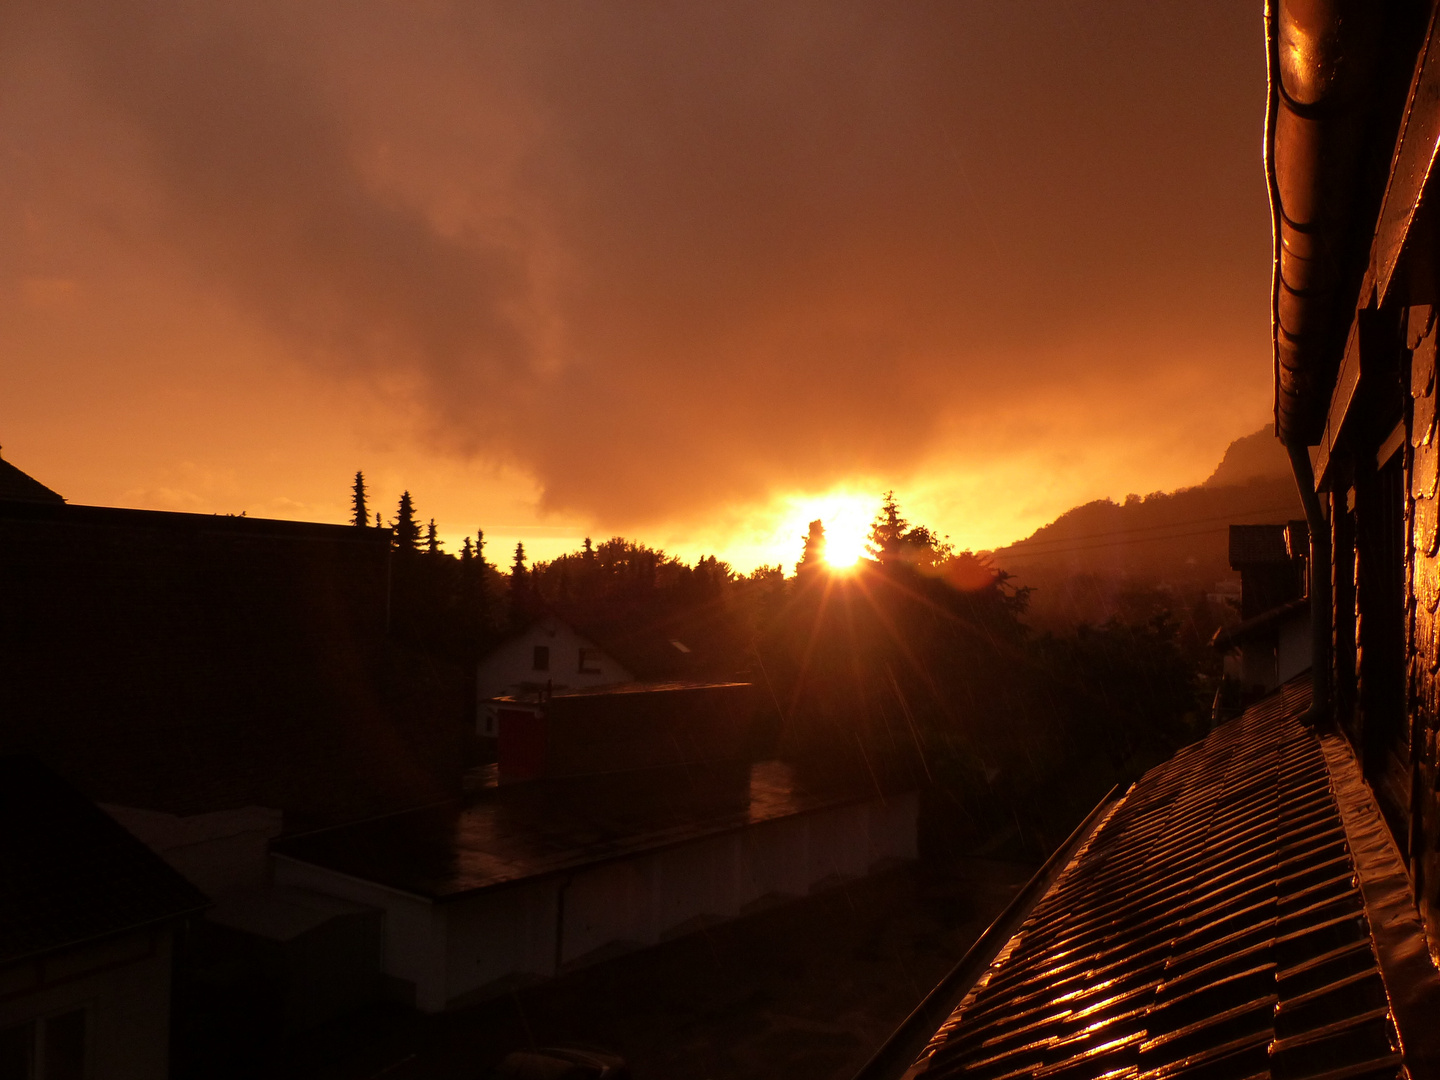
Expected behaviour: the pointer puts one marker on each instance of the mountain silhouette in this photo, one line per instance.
(1086, 563)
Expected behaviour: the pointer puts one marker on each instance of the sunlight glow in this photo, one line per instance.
(846, 515)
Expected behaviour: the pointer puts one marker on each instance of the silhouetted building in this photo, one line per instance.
(625, 727)
(88, 920)
(188, 664)
(1272, 643)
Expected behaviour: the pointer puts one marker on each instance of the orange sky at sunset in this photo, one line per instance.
(689, 273)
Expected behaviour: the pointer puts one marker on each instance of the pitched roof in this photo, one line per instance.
(17, 486)
(1214, 924)
(69, 873)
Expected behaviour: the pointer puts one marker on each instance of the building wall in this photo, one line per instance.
(190, 663)
(455, 951)
(124, 987)
(1424, 632)
(1293, 649)
(614, 732)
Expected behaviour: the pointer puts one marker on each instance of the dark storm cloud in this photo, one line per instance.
(708, 251)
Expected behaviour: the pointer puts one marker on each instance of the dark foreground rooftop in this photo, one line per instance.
(69, 873)
(1241, 912)
(512, 833)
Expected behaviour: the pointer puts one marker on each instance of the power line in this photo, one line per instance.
(1021, 547)
(1110, 543)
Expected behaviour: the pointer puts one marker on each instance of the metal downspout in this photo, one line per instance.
(1319, 587)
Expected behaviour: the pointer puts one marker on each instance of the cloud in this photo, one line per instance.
(667, 258)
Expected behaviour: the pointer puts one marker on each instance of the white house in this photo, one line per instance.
(547, 655)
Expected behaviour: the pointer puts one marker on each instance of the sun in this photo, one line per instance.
(846, 516)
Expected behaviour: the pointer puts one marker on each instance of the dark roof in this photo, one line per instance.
(69, 873)
(17, 486)
(611, 689)
(1258, 545)
(521, 831)
(1213, 925)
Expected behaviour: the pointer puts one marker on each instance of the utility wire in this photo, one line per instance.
(1001, 556)
(1021, 547)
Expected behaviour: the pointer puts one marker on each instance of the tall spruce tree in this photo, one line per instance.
(407, 529)
(813, 557)
(432, 539)
(519, 586)
(360, 513)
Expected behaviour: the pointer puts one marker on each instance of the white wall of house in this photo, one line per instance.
(458, 950)
(122, 986)
(572, 662)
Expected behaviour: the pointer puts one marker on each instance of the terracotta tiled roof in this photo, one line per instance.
(1213, 925)
(69, 873)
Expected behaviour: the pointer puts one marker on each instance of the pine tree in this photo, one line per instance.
(360, 514)
(519, 586)
(407, 529)
(888, 533)
(432, 539)
(813, 557)
(466, 553)
(379, 523)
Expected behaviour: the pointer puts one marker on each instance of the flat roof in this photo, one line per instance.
(510, 834)
(621, 688)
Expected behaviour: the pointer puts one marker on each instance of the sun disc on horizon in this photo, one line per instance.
(846, 516)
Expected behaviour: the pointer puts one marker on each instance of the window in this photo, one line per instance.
(589, 662)
(48, 1049)
(542, 658)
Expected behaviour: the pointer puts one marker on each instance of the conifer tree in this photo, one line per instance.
(888, 532)
(813, 557)
(379, 523)
(519, 585)
(360, 514)
(407, 529)
(432, 539)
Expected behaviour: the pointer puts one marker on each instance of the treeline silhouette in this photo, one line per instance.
(918, 657)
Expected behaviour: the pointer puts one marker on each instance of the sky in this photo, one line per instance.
(689, 273)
